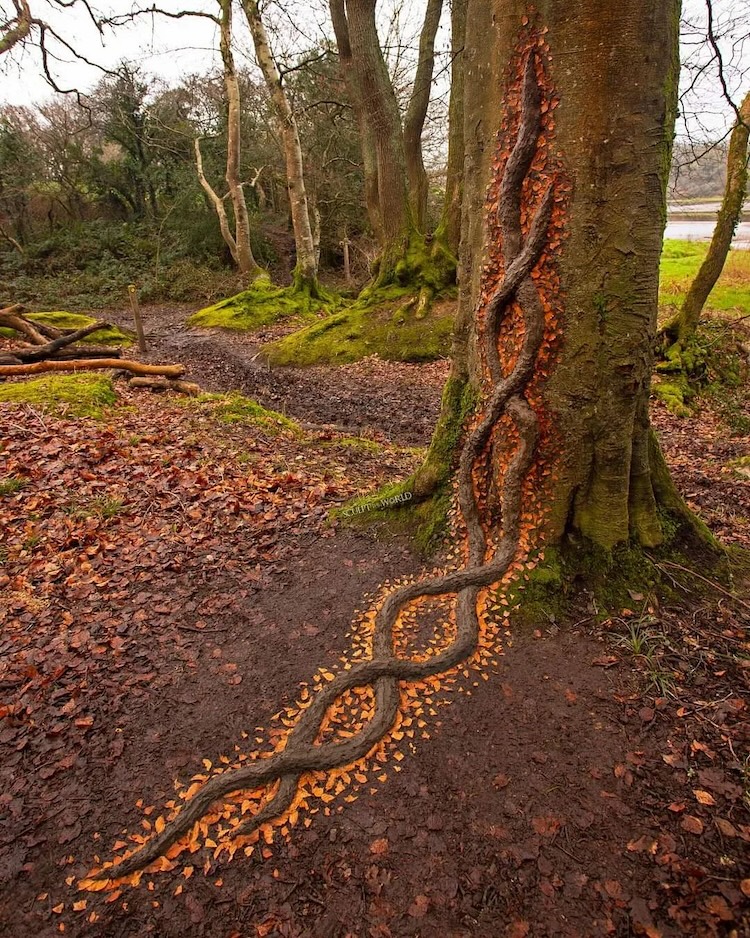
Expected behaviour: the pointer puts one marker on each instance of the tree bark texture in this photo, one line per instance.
(451, 222)
(382, 114)
(416, 114)
(306, 271)
(367, 140)
(730, 213)
(244, 256)
(603, 143)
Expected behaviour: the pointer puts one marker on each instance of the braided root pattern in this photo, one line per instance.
(384, 672)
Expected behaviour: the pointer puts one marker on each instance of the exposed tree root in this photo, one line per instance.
(487, 561)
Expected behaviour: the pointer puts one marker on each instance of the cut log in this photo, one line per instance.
(89, 364)
(6, 359)
(164, 384)
(12, 321)
(48, 349)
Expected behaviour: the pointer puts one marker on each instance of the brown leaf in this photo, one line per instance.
(725, 828)
(692, 824)
(419, 907)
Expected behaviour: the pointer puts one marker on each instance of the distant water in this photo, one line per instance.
(684, 228)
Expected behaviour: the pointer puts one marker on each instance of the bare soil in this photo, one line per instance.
(589, 787)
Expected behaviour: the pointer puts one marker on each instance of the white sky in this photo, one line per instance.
(171, 49)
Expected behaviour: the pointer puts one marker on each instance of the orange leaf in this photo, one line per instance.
(703, 797)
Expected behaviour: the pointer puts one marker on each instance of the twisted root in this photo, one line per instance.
(384, 671)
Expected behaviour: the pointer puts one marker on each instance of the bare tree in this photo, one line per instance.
(306, 269)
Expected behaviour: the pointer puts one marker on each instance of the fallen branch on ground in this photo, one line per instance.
(48, 349)
(165, 384)
(88, 364)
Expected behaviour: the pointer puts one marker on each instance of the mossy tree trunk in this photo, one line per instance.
(407, 256)
(451, 220)
(416, 114)
(682, 327)
(306, 269)
(605, 142)
(382, 115)
(367, 140)
(17, 28)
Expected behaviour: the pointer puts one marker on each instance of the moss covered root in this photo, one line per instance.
(384, 324)
(404, 315)
(85, 394)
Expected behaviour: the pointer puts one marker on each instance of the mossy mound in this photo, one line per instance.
(385, 322)
(263, 304)
(64, 320)
(711, 363)
(85, 394)
(236, 409)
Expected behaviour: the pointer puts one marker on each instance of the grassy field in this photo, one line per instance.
(679, 264)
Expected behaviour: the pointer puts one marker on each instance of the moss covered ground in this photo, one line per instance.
(236, 409)
(85, 394)
(263, 304)
(385, 322)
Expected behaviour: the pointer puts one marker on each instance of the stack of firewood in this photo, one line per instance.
(43, 348)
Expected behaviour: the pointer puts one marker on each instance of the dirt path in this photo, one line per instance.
(168, 581)
(396, 401)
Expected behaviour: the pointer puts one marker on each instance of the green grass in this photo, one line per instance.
(261, 305)
(85, 394)
(64, 320)
(679, 265)
(11, 485)
(236, 409)
(386, 326)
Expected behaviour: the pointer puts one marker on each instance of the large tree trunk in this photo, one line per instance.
(602, 142)
(306, 270)
(682, 328)
(451, 221)
(416, 114)
(367, 140)
(382, 114)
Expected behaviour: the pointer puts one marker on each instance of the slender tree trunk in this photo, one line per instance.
(682, 328)
(416, 114)
(451, 221)
(7, 236)
(217, 203)
(367, 140)
(382, 115)
(599, 152)
(306, 271)
(242, 252)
